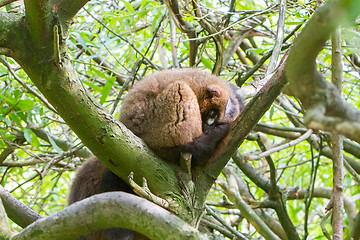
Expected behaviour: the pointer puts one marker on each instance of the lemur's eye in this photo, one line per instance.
(211, 116)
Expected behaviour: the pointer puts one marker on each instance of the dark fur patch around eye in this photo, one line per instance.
(210, 117)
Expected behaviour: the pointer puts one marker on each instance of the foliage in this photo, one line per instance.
(112, 44)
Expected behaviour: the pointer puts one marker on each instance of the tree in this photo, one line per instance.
(77, 62)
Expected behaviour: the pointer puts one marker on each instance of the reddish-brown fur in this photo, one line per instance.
(170, 111)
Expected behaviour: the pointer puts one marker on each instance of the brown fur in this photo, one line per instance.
(165, 109)
(169, 111)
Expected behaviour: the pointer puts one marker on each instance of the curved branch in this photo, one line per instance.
(326, 109)
(7, 32)
(107, 210)
(16, 211)
(67, 9)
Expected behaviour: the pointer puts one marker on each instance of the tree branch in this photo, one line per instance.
(338, 160)
(185, 27)
(231, 190)
(326, 192)
(67, 9)
(326, 109)
(6, 2)
(253, 111)
(107, 210)
(7, 33)
(17, 211)
(279, 38)
(39, 17)
(120, 150)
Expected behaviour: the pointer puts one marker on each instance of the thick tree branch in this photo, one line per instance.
(105, 136)
(5, 230)
(326, 109)
(67, 9)
(120, 150)
(156, 222)
(16, 211)
(246, 121)
(7, 34)
(39, 17)
(204, 177)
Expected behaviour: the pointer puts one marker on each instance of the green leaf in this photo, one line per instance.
(93, 86)
(128, 6)
(272, 110)
(79, 39)
(53, 143)
(35, 141)
(106, 89)
(207, 63)
(25, 105)
(4, 119)
(28, 135)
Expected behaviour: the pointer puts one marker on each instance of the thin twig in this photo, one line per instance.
(338, 159)
(123, 39)
(173, 43)
(279, 38)
(7, 65)
(225, 224)
(281, 147)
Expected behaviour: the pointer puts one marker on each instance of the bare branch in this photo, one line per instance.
(231, 190)
(326, 109)
(112, 206)
(338, 158)
(67, 9)
(279, 38)
(326, 192)
(281, 147)
(18, 212)
(185, 27)
(225, 224)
